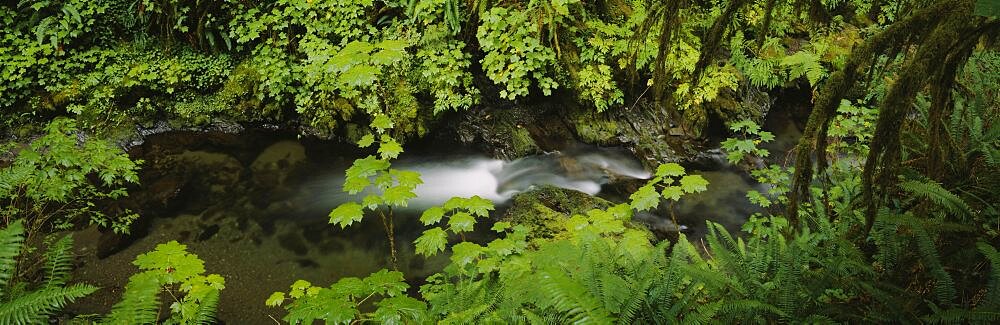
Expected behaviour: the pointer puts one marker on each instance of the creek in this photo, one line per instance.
(254, 207)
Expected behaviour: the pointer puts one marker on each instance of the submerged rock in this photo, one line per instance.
(274, 165)
(217, 173)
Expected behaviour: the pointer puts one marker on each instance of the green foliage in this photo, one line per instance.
(353, 72)
(281, 60)
(169, 268)
(24, 303)
(604, 49)
(771, 278)
(461, 213)
(444, 70)
(760, 70)
(988, 8)
(60, 22)
(777, 178)
(673, 182)
(804, 63)
(598, 86)
(852, 129)
(203, 23)
(383, 186)
(601, 272)
(35, 34)
(940, 196)
(49, 185)
(340, 303)
(513, 55)
(334, 65)
(738, 149)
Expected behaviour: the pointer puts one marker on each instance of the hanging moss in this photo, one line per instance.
(713, 39)
(766, 27)
(861, 61)
(664, 15)
(879, 174)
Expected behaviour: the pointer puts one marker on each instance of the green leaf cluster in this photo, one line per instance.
(514, 56)
(169, 268)
(372, 176)
(55, 181)
(461, 214)
(341, 302)
(746, 146)
(670, 182)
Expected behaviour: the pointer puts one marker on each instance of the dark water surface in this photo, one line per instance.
(254, 207)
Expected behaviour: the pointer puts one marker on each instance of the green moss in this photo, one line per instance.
(594, 128)
(544, 210)
(522, 142)
(599, 131)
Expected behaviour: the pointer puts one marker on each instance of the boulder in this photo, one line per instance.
(544, 210)
(274, 165)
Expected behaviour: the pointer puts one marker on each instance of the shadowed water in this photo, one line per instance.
(255, 208)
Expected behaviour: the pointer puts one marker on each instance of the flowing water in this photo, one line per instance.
(445, 176)
(254, 206)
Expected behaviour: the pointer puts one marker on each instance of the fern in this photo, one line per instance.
(963, 316)
(570, 297)
(59, 261)
(140, 303)
(805, 63)
(944, 286)
(207, 309)
(992, 299)
(20, 305)
(939, 195)
(35, 307)
(742, 307)
(10, 246)
(761, 73)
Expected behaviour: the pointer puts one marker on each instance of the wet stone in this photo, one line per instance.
(294, 243)
(208, 232)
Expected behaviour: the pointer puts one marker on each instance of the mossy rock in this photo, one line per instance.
(544, 210)
(502, 133)
(598, 131)
(522, 143)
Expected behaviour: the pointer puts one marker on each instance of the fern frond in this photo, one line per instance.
(10, 246)
(805, 63)
(939, 195)
(207, 309)
(59, 261)
(139, 303)
(533, 318)
(992, 156)
(992, 298)
(884, 234)
(570, 297)
(746, 308)
(963, 316)
(36, 306)
(944, 285)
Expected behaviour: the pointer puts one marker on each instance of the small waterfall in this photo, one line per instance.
(585, 170)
